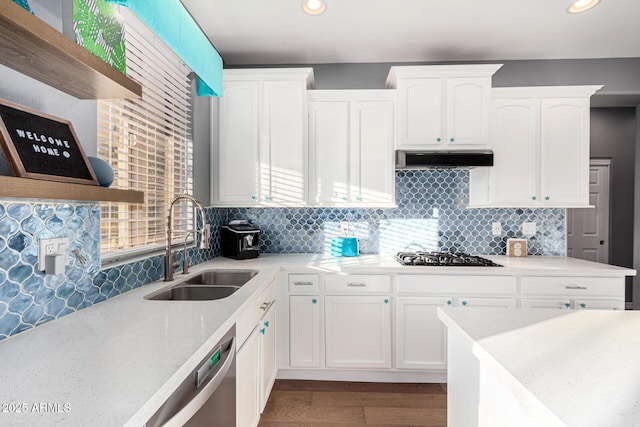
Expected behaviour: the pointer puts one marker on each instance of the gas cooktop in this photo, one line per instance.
(444, 259)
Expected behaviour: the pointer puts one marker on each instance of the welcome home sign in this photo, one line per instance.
(40, 146)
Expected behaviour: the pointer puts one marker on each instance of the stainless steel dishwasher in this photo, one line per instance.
(207, 397)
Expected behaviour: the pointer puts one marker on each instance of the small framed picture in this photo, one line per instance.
(40, 146)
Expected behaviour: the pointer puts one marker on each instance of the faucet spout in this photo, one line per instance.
(205, 233)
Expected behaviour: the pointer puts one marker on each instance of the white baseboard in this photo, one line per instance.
(362, 376)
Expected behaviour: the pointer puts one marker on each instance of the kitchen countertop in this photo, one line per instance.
(114, 363)
(582, 365)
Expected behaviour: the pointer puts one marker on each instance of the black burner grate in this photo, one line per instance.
(444, 259)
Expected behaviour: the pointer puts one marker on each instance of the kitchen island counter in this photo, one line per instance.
(115, 363)
(543, 367)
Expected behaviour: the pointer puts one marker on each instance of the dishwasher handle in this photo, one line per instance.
(198, 401)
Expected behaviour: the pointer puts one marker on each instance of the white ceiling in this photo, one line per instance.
(279, 32)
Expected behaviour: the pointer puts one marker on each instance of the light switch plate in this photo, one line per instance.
(496, 228)
(529, 228)
(57, 246)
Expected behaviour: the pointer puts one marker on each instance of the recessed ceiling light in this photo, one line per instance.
(314, 7)
(582, 5)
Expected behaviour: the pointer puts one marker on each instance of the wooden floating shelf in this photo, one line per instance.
(34, 48)
(26, 188)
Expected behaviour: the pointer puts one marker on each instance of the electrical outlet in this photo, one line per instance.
(496, 228)
(529, 228)
(57, 246)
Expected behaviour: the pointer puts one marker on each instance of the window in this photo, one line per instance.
(148, 143)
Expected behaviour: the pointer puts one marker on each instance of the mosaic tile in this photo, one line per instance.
(431, 215)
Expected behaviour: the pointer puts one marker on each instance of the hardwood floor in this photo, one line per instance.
(295, 403)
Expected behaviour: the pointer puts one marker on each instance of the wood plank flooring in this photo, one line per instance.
(296, 403)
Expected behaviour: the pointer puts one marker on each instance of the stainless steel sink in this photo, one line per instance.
(193, 293)
(223, 277)
(206, 286)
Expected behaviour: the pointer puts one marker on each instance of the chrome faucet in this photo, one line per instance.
(205, 233)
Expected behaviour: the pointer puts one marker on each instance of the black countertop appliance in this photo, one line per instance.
(240, 240)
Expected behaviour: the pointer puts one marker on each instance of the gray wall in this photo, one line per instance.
(613, 136)
(636, 228)
(620, 77)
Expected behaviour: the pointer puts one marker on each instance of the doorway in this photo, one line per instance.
(588, 228)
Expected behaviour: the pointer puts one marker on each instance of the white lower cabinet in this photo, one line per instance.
(268, 367)
(247, 366)
(420, 336)
(256, 357)
(358, 331)
(304, 331)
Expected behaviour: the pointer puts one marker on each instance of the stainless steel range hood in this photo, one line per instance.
(443, 159)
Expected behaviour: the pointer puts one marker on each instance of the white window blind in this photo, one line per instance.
(148, 143)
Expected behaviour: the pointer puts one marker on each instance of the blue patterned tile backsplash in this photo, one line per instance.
(431, 215)
(29, 297)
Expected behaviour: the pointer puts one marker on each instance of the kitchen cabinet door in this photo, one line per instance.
(329, 151)
(238, 179)
(304, 331)
(420, 335)
(358, 331)
(247, 363)
(564, 151)
(282, 142)
(268, 360)
(515, 174)
(467, 107)
(351, 148)
(372, 164)
(420, 113)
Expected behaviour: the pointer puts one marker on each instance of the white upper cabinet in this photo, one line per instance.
(442, 106)
(540, 140)
(262, 148)
(237, 180)
(351, 148)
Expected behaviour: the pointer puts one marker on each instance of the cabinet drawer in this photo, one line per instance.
(573, 286)
(253, 312)
(303, 283)
(468, 285)
(357, 283)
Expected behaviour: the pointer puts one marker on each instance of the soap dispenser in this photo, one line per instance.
(346, 244)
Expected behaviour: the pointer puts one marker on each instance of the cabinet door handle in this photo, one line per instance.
(386, 301)
(533, 197)
(547, 197)
(438, 139)
(452, 139)
(464, 303)
(314, 301)
(583, 305)
(266, 323)
(262, 331)
(575, 287)
(265, 305)
(303, 283)
(357, 285)
(567, 304)
(449, 302)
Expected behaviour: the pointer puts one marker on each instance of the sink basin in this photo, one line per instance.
(223, 277)
(193, 293)
(206, 286)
